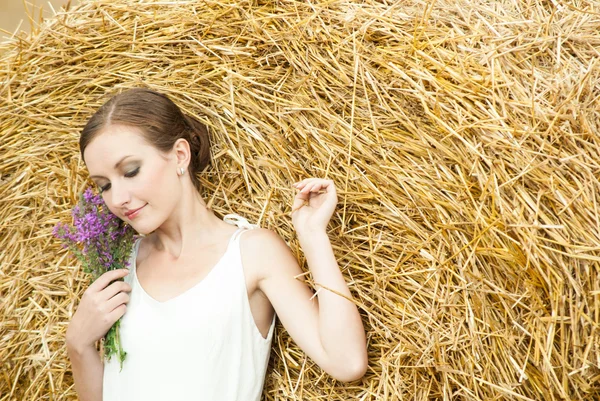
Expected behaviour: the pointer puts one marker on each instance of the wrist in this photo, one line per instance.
(77, 348)
(312, 235)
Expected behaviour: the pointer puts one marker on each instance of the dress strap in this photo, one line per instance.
(239, 221)
(134, 252)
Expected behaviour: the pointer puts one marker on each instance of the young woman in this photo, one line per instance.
(199, 300)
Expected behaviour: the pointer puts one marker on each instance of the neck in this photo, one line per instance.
(192, 225)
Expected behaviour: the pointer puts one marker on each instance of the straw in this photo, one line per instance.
(461, 136)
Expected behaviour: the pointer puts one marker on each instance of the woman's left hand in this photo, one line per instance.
(312, 210)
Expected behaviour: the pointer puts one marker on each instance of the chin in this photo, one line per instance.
(143, 230)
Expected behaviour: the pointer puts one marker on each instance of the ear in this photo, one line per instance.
(181, 149)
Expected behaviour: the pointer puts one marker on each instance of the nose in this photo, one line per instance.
(120, 194)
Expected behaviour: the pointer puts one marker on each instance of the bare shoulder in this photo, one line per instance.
(264, 250)
(263, 236)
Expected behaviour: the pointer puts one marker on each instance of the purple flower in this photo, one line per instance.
(101, 237)
(101, 242)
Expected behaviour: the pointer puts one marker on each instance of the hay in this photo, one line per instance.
(462, 137)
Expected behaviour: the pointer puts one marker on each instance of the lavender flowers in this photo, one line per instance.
(101, 242)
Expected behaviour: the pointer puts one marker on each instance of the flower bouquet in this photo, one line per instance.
(101, 242)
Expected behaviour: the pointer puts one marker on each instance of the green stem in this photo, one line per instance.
(112, 344)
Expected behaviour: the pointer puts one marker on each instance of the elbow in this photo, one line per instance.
(351, 371)
(355, 374)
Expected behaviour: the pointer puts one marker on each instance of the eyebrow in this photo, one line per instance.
(117, 164)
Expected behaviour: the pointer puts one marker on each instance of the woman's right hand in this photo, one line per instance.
(101, 305)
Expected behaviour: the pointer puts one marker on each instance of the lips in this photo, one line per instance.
(132, 213)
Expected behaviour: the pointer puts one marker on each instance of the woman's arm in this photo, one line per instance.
(102, 304)
(340, 326)
(87, 371)
(327, 326)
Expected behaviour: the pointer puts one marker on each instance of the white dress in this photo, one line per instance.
(202, 345)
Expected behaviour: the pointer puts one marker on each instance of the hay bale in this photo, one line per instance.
(462, 136)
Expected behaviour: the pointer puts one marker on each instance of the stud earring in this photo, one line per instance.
(181, 171)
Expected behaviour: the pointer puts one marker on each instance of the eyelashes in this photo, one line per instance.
(128, 174)
(132, 173)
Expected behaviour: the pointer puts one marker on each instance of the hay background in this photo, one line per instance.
(462, 137)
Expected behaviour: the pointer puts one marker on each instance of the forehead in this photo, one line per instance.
(111, 145)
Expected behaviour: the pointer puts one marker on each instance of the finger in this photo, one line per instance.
(314, 187)
(105, 279)
(301, 197)
(117, 313)
(307, 188)
(326, 184)
(118, 300)
(329, 186)
(115, 288)
(299, 201)
(307, 180)
(301, 184)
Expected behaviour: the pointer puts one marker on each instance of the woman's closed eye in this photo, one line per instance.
(128, 174)
(132, 173)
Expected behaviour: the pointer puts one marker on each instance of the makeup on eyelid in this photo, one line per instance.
(130, 174)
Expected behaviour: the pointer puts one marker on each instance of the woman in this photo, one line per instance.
(200, 299)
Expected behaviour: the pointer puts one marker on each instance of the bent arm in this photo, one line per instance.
(88, 371)
(340, 327)
(328, 326)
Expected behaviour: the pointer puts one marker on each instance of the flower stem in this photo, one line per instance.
(112, 344)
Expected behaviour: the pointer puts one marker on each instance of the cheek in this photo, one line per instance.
(159, 184)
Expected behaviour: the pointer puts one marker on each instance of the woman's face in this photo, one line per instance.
(131, 174)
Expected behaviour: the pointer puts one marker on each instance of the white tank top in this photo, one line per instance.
(202, 345)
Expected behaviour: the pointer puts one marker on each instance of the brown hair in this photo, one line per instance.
(160, 121)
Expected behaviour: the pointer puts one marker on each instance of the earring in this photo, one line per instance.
(181, 171)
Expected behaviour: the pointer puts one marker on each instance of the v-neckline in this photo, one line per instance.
(198, 284)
